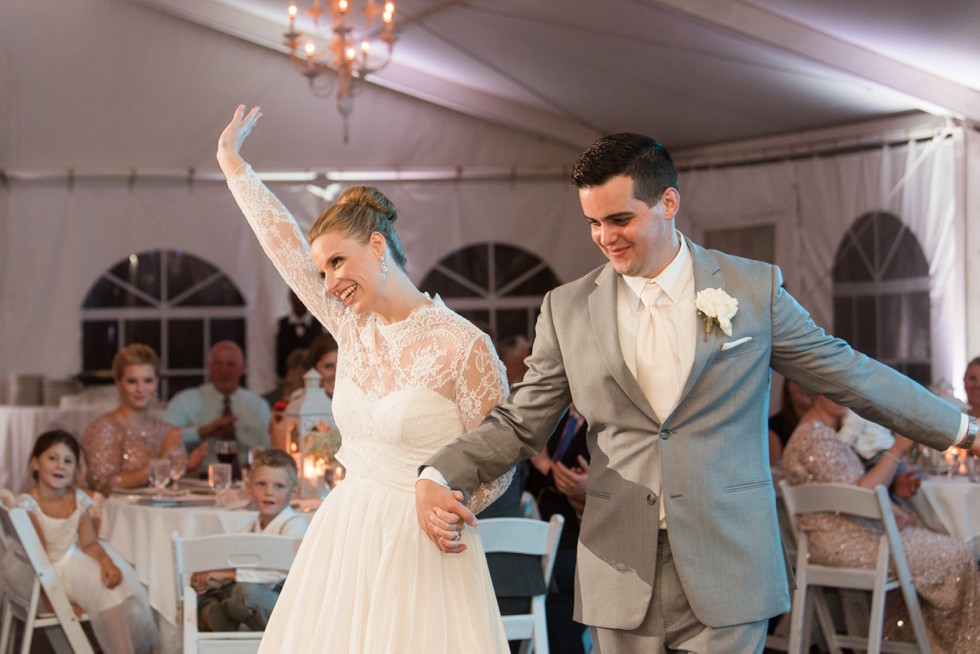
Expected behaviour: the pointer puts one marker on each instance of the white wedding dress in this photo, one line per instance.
(366, 578)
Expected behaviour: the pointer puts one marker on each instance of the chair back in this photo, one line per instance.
(871, 504)
(26, 572)
(218, 552)
(531, 537)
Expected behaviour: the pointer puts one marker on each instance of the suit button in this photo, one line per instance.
(651, 498)
(665, 434)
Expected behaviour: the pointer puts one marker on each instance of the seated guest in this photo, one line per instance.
(794, 404)
(944, 572)
(119, 445)
(221, 410)
(231, 599)
(96, 579)
(557, 478)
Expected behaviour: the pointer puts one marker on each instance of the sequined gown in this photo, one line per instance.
(121, 617)
(366, 579)
(112, 447)
(943, 569)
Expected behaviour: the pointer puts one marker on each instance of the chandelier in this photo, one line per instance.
(341, 45)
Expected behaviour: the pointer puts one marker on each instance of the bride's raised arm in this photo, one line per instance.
(272, 223)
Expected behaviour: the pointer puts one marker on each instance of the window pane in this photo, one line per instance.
(184, 271)
(892, 336)
(848, 264)
(146, 332)
(511, 322)
(105, 293)
(219, 293)
(141, 271)
(437, 283)
(866, 325)
(907, 261)
(536, 285)
(471, 262)
(510, 263)
(185, 344)
(100, 342)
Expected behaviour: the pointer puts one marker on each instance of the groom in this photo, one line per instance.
(679, 546)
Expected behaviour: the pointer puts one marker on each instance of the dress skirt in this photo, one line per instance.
(367, 579)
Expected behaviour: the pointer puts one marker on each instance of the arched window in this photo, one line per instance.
(172, 301)
(499, 287)
(881, 294)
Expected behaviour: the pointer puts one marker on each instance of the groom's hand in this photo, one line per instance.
(441, 515)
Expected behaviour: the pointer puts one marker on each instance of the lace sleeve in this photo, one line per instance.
(284, 243)
(482, 386)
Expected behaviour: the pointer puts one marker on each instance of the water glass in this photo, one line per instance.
(178, 464)
(219, 478)
(159, 473)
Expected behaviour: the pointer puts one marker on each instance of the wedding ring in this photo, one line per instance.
(456, 535)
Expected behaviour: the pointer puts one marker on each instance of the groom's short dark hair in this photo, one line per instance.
(639, 157)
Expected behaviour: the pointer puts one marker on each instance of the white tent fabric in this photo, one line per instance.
(61, 239)
(814, 201)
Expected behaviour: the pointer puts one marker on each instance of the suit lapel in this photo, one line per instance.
(602, 307)
(707, 274)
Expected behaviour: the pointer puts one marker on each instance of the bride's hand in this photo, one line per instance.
(232, 137)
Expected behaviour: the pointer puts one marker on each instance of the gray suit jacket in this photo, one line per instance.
(717, 485)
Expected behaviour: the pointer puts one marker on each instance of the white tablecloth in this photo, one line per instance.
(21, 425)
(141, 534)
(950, 506)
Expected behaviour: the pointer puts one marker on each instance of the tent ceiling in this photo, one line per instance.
(691, 72)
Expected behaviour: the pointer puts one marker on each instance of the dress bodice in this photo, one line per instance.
(112, 447)
(403, 389)
(60, 534)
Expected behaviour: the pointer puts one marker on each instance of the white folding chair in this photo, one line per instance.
(846, 499)
(27, 572)
(258, 551)
(537, 538)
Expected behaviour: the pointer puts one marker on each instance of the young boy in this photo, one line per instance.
(232, 598)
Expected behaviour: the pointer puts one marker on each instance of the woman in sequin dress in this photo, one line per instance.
(944, 571)
(120, 444)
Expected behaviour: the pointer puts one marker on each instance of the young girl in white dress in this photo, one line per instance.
(411, 376)
(96, 580)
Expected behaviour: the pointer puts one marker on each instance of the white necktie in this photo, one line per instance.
(656, 364)
(656, 367)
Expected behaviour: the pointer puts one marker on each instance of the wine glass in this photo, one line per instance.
(219, 479)
(178, 464)
(159, 473)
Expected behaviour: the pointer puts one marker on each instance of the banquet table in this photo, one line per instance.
(21, 425)
(950, 506)
(141, 533)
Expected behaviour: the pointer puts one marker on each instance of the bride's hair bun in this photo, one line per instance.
(372, 198)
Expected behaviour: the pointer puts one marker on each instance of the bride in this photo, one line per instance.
(411, 376)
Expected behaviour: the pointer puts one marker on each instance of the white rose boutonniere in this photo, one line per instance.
(716, 306)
